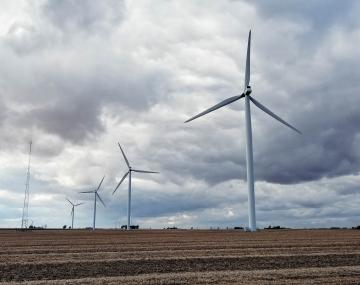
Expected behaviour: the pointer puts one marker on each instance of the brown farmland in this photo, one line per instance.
(180, 257)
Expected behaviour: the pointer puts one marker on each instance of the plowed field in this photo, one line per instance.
(180, 257)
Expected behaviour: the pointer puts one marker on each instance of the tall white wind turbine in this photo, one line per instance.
(96, 196)
(249, 145)
(129, 191)
(73, 211)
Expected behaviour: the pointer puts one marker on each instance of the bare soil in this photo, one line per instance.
(180, 257)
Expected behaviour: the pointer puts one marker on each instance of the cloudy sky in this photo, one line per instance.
(79, 76)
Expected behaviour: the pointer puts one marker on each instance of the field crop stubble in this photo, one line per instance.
(180, 257)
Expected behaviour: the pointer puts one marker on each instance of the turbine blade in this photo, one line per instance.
(217, 106)
(69, 201)
(144, 171)
(78, 204)
(123, 153)
(266, 110)
(100, 183)
(247, 67)
(122, 179)
(92, 191)
(102, 202)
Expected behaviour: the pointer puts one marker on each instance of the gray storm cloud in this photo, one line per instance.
(68, 73)
(85, 16)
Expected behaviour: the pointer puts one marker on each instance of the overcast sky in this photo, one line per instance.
(79, 76)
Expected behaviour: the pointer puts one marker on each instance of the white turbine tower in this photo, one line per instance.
(249, 145)
(129, 191)
(73, 211)
(96, 195)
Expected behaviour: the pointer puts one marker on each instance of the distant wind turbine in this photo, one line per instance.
(249, 145)
(73, 211)
(96, 195)
(129, 191)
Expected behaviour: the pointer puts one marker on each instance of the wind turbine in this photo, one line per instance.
(96, 195)
(129, 191)
(249, 145)
(73, 211)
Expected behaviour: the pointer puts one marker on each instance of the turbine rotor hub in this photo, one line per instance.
(248, 90)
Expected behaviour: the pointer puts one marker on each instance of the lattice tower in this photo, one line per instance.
(25, 217)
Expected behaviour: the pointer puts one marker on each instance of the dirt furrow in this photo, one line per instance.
(49, 271)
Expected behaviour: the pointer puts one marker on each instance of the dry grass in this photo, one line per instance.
(180, 257)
